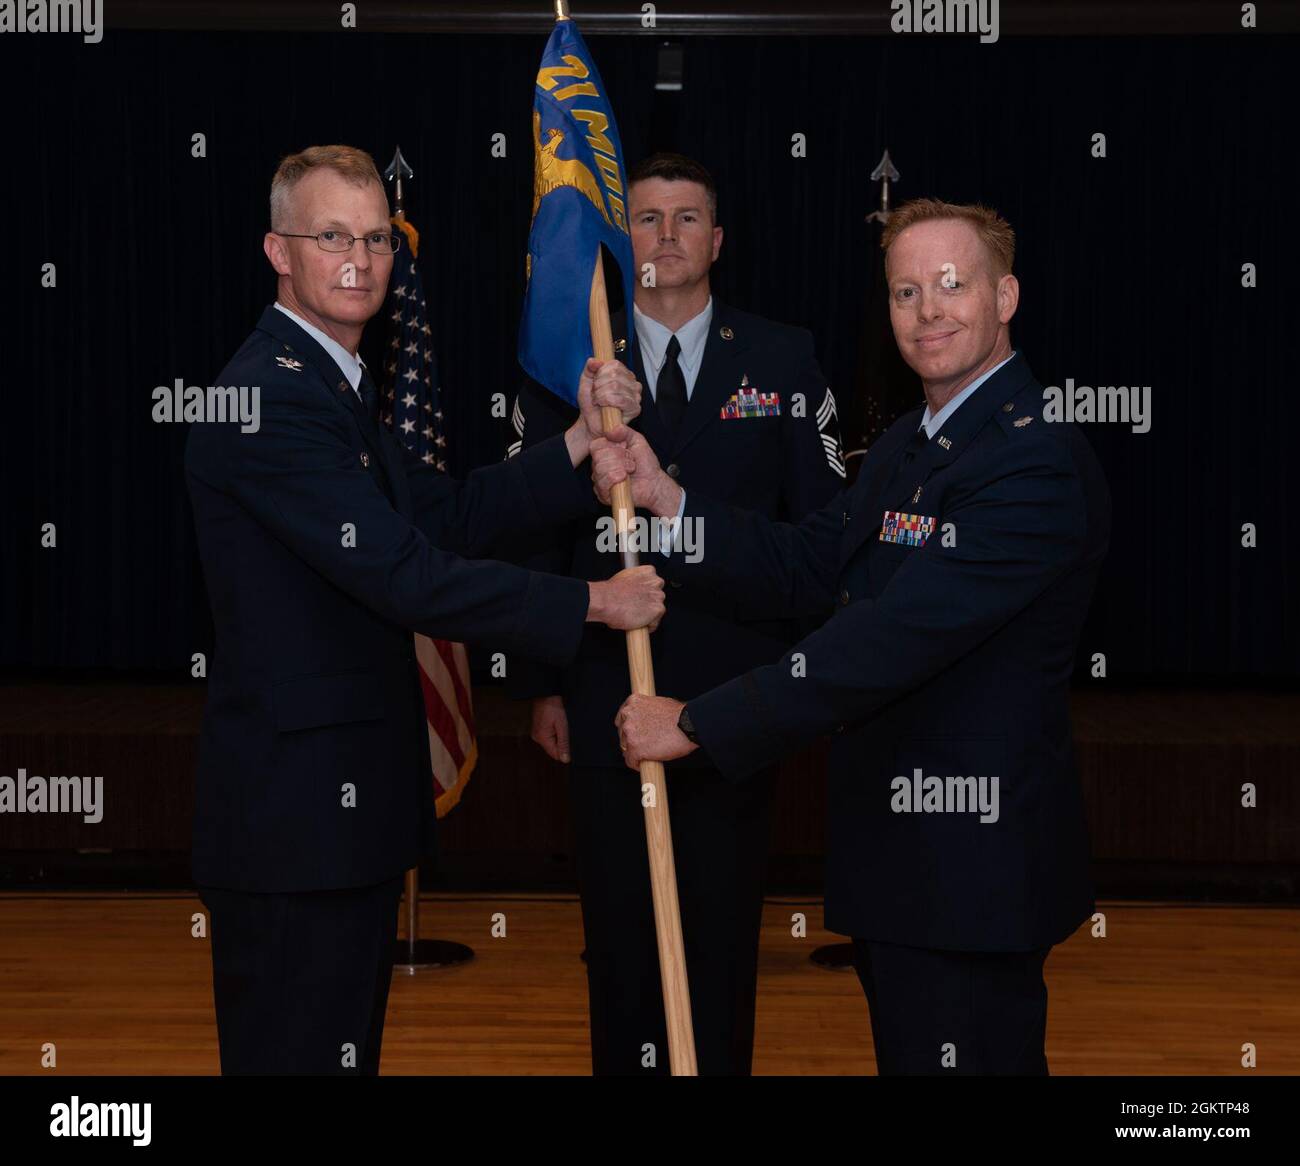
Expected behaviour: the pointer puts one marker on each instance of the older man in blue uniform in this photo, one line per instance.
(953, 580)
(741, 411)
(324, 545)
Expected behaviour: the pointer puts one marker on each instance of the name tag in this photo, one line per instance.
(909, 529)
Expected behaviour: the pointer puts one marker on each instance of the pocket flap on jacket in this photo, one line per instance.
(335, 698)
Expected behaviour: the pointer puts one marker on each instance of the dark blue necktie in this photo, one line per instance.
(369, 395)
(670, 389)
(913, 447)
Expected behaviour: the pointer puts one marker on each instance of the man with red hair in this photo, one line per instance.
(953, 579)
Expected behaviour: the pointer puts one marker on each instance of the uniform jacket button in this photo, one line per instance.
(674, 582)
(844, 597)
(673, 470)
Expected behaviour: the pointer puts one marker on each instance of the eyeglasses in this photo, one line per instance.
(380, 243)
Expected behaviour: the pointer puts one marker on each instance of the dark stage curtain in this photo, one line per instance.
(1130, 270)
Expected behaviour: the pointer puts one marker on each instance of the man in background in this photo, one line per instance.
(737, 408)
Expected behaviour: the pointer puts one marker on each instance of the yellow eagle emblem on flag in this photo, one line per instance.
(550, 171)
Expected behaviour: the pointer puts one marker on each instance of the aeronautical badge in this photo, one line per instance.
(289, 362)
(747, 401)
(828, 429)
(910, 530)
(1021, 422)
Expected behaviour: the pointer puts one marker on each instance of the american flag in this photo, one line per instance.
(411, 410)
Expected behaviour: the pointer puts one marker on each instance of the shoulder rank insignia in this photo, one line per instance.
(910, 530)
(289, 362)
(1021, 422)
(747, 401)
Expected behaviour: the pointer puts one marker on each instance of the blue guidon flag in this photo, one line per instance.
(579, 201)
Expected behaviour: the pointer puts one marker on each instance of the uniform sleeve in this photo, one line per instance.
(300, 477)
(1013, 537)
(537, 417)
(498, 503)
(785, 569)
(813, 459)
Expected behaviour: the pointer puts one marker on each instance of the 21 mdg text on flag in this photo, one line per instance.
(579, 202)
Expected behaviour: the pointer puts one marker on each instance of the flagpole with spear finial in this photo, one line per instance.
(884, 173)
(414, 954)
(654, 790)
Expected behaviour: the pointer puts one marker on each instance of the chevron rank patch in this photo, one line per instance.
(517, 422)
(828, 429)
(747, 401)
(911, 530)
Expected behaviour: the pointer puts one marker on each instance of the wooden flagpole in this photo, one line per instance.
(654, 800)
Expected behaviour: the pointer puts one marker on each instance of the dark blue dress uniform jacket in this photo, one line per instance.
(955, 659)
(313, 692)
(781, 466)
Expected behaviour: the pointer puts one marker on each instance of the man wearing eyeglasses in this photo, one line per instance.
(325, 544)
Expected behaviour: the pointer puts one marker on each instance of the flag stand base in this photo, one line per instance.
(835, 957)
(426, 955)
(413, 954)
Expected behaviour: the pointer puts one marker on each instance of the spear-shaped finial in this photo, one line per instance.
(561, 9)
(884, 173)
(398, 169)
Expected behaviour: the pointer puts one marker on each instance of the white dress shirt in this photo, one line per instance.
(654, 336)
(932, 425)
(349, 362)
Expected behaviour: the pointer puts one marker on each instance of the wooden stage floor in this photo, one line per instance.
(118, 985)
